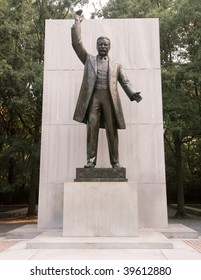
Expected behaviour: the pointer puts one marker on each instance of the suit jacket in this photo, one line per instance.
(116, 74)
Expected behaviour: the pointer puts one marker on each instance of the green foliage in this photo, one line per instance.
(22, 30)
(21, 92)
(135, 8)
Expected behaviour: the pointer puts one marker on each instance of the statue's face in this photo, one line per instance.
(103, 46)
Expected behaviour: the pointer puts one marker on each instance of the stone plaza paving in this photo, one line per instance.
(183, 248)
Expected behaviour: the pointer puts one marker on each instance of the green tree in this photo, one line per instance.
(21, 91)
(182, 88)
(22, 30)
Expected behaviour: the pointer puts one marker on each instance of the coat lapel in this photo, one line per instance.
(93, 60)
(110, 74)
(110, 70)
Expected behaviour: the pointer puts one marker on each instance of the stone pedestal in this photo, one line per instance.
(100, 175)
(100, 209)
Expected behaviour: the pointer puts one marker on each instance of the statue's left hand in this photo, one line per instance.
(136, 96)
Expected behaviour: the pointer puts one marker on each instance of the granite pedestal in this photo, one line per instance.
(100, 209)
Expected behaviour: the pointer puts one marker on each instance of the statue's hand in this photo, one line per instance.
(136, 96)
(79, 16)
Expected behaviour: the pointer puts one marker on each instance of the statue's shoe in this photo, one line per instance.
(90, 165)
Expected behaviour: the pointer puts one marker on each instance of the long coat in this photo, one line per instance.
(116, 74)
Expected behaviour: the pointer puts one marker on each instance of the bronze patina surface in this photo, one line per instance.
(99, 104)
(100, 175)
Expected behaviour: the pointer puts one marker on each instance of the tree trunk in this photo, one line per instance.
(33, 194)
(181, 212)
(35, 158)
(11, 179)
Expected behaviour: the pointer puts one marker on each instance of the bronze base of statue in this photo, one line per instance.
(100, 175)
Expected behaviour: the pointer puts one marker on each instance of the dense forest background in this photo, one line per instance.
(22, 32)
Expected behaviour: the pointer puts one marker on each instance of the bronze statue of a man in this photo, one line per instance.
(99, 104)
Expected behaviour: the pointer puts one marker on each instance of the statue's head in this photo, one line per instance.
(103, 46)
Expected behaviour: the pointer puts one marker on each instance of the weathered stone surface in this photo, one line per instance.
(100, 209)
(100, 175)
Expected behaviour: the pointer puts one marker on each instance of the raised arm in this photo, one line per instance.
(76, 37)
